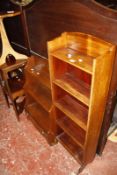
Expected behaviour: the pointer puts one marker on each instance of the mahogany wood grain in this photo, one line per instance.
(68, 82)
(57, 17)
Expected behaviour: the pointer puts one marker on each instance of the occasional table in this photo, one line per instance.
(6, 46)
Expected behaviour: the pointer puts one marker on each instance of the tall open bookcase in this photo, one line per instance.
(80, 68)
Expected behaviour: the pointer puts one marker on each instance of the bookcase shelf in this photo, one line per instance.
(44, 80)
(73, 130)
(71, 146)
(74, 110)
(41, 95)
(80, 73)
(75, 87)
(40, 116)
(75, 58)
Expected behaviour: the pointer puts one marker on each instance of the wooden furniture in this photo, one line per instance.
(80, 73)
(38, 94)
(16, 27)
(89, 17)
(6, 47)
(12, 81)
(52, 19)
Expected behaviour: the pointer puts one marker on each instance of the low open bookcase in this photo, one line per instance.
(80, 68)
(38, 94)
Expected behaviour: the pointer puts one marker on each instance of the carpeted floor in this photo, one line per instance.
(24, 151)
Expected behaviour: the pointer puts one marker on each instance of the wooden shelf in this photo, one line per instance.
(73, 130)
(16, 87)
(18, 63)
(41, 94)
(39, 115)
(71, 146)
(77, 59)
(74, 110)
(41, 76)
(77, 88)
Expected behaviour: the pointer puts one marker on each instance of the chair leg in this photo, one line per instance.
(7, 100)
(15, 108)
(6, 97)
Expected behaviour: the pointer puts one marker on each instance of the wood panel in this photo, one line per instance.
(51, 18)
